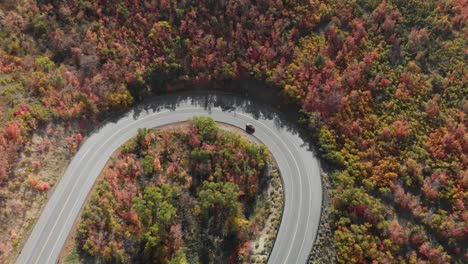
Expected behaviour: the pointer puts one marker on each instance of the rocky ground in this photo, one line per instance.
(324, 247)
(263, 244)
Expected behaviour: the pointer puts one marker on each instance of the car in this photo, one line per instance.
(249, 128)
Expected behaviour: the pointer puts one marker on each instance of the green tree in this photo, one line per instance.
(206, 128)
(156, 212)
(329, 146)
(148, 165)
(142, 132)
(219, 205)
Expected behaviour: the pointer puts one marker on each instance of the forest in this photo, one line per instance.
(382, 87)
(191, 194)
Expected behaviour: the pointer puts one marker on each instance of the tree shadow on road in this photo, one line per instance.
(251, 97)
(283, 118)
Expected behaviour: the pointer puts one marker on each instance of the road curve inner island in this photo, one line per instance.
(298, 166)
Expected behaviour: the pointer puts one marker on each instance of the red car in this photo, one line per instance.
(249, 128)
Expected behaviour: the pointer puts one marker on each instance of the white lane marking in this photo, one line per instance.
(308, 211)
(207, 111)
(300, 183)
(141, 121)
(75, 184)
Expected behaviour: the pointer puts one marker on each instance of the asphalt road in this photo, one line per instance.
(298, 166)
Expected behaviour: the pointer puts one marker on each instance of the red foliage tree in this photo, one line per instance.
(401, 129)
(397, 233)
(43, 186)
(428, 190)
(12, 130)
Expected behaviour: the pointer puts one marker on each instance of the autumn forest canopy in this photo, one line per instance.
(381, 84)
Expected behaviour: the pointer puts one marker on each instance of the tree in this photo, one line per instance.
(148, 164)
(12, 130)
(179, 258)
(329, 146)
(397, 233)
(156, 212)
(156, 164)
(401, 129)
(155, 207)
(417, 39)
(219, 205)
(206, 127)
(428, 190)
(121, 98)
(432, 108)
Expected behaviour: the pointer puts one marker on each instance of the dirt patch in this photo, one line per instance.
(40, 165)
